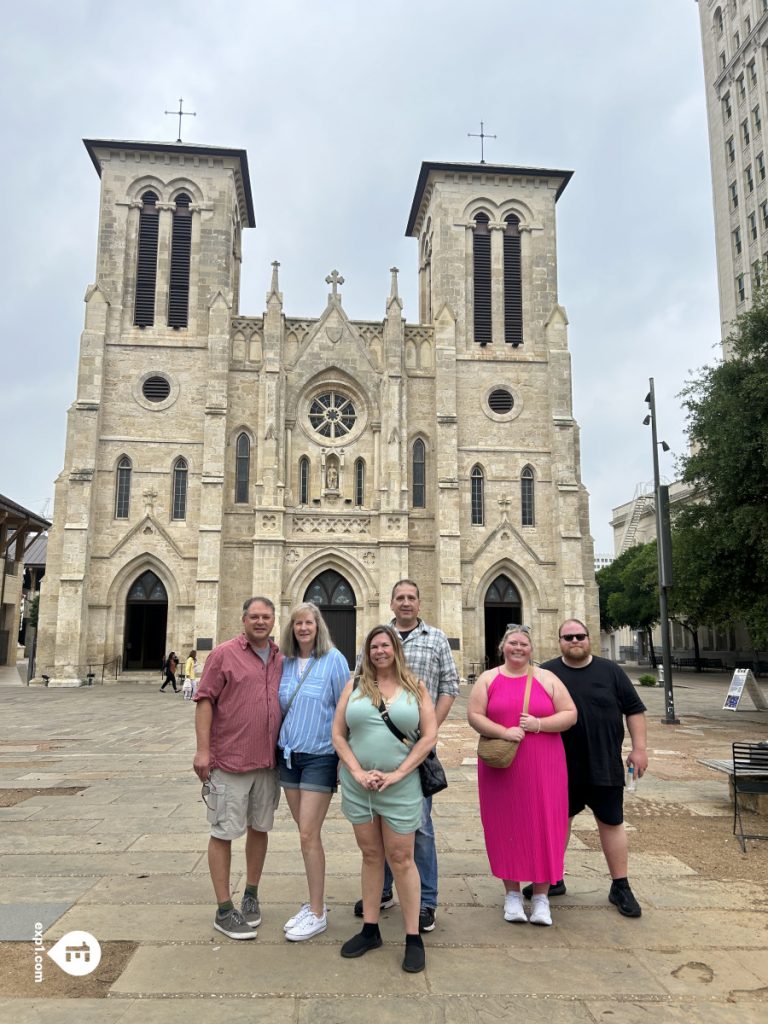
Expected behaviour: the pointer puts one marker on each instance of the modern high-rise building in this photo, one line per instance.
(734, 35)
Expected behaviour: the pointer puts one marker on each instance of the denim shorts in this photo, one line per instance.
(316, 772)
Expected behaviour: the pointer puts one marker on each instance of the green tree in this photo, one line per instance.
(723, 532)
(629, 593)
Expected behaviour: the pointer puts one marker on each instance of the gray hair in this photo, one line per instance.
(289, 645)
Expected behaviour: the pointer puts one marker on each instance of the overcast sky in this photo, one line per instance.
(337, 104)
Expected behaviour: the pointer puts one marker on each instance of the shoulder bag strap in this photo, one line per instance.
(528, 685)
(302, 678)
(382, 709)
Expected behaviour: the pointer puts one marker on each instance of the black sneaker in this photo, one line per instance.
(415, 959)
(556, 889)
(427, 919)
(387, 901)
(622, 897)
(359, 944)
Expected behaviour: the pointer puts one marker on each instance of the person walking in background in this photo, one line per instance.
(524, 807)
(190, 670)
(604, 696)
(171, 664)
(428, 656)
(237, 721)
(380, 784)
(314, 675)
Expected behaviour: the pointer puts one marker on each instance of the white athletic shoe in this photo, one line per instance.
(513, 908)
(293, 921)
(540, 910)
(307, 926)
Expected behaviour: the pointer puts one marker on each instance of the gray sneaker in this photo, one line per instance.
(233, 924)
(251, 910)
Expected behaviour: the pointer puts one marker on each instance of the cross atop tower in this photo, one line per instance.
(482, 136)
(334, 279)
(181, 113)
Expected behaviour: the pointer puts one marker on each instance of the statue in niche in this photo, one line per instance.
(332, 477)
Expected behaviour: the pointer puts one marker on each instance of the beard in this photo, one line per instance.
(577, 652)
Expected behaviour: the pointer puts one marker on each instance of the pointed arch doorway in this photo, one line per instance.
(335, 598)
(146, 617)
(502, 606)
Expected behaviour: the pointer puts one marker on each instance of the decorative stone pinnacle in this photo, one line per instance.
(274, 286)
(393, 288)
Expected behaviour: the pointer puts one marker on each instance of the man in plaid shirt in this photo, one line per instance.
(429, 657)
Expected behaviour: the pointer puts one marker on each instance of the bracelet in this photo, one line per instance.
(539, 729)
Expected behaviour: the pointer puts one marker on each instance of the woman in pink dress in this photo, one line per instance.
(524, 808)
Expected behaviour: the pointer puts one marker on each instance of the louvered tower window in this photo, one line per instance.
(481, 254)
(146, 262)
(477, 484)
(359, 483)
(419, 474)
(304, 480)
(527, 505)
(123, 488)
(180, 474)
(513, 283)
(181, 248)
(242, 468)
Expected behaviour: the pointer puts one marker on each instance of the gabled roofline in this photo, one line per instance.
(469, 168)
(240, 155)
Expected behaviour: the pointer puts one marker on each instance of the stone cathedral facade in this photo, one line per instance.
(212, 455)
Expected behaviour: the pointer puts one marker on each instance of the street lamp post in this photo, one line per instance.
(663, 548)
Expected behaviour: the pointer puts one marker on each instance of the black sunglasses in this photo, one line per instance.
(518, 628)
(574, 636)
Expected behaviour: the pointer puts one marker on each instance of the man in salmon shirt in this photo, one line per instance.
(237, 722)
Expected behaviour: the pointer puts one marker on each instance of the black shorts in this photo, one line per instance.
(605, 802)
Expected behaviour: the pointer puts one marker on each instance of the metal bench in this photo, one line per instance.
(750, 777)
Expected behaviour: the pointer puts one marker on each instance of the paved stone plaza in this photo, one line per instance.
(125, 860)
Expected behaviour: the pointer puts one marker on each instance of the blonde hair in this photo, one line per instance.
(289, 645)
(511, 630)
(366, 681)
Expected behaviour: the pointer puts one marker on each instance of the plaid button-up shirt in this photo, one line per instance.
(429, 657)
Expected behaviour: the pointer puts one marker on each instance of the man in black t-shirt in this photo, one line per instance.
(604, 696)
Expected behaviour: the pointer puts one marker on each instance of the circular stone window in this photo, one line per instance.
(500, 401)
(156, 388)
(332, 414)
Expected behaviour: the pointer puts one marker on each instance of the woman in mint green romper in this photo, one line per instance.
(380, 784)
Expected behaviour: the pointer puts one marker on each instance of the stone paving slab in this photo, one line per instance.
(684, 1013)
(701, 972)
(48, 888)
(93, 863)
(541, 968)
(242, 968)
(18, 920)
(102, 841)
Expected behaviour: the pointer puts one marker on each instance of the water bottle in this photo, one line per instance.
(631, 780)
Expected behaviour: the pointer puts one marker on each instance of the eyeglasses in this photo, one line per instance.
(518, 628)
(574, 636)
(208, 788)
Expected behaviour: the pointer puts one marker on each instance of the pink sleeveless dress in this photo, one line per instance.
(524, 808)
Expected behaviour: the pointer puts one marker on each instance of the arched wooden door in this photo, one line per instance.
(335, 598)
(502, 606)
(146, 615)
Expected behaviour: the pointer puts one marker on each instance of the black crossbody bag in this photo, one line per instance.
(431, 771)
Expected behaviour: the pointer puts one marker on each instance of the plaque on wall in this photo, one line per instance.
(205, 643)
(454, 643)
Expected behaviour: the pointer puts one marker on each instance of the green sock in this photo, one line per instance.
(225, 906)
(251, 890)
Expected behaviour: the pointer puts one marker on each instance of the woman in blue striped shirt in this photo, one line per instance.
(314, 675)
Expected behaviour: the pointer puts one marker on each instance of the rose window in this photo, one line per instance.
(332, 414)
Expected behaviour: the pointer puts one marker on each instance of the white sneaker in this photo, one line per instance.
(540, 910)
(307, 926)
(293, 921)
(513, 908)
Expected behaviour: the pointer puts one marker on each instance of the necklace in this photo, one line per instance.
(390, 700)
